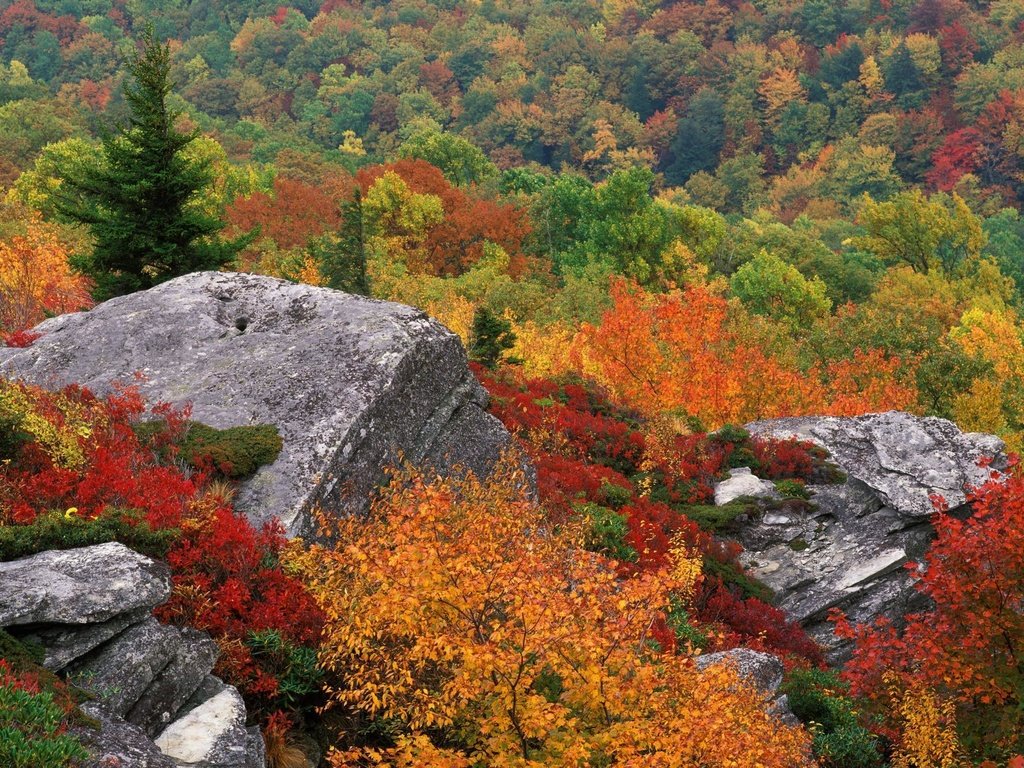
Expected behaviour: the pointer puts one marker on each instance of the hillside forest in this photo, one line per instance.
(649, 221)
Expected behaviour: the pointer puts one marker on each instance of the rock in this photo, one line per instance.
(117, 744)
(351, 383)
(742, 483)
(178, 681)
(760, 669)
(65, 643)
(255, 748)
(903, 459)
(80, 586)
(120, 671)
(849, 549)
(213, 735)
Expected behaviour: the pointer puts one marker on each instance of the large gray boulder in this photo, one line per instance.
(80, 586)
(352, 383)
(849, 547)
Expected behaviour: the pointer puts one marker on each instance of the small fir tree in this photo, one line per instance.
(140, 199)
(341, 257)
(491, 336)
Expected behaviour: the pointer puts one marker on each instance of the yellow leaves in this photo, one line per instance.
(927, 724)
(779, 89)
(35, 278)
(458, 610)
(61, 437)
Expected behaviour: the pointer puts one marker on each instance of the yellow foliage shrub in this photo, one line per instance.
(491, 638)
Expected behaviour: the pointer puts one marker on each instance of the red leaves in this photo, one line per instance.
(21, 339)
(456, 243)
(588, 451)
(226, 574)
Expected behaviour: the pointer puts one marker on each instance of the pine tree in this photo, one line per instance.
(902, 76)
(492, 335)
(140, 198)
(341, 257)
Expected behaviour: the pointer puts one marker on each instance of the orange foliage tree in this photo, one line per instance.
(482, 635)
(295, 212)
(35, 279)
(685, 352)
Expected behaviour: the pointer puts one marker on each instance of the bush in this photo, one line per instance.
(792, 489)
(606, 532)
(818, 699)
(66, 530)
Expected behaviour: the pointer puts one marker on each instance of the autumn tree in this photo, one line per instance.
(140, 201)
(35, 278)
(483, 636)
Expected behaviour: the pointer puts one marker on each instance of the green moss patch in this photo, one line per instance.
(61, 530)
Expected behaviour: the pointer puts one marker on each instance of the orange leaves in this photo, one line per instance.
(691, 352)
(35, 279)
(489, 637)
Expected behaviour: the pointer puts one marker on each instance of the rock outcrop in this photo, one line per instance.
(848, 547)
(90, 609)
(351, 383)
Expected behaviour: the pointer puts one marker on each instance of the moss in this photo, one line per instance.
(718, 519)
(233, 452)
(59, 530)
(792, 489)
(798, 544)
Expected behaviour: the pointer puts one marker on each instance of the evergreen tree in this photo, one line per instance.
(140, 198)
(903, 78)
(699, 139)
(341, 257)
(492, 335)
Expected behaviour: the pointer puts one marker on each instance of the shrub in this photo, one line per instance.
(489, 644)
(792, 489)
(593, 457)
(32, 720)
(606, 532)
(819, 699)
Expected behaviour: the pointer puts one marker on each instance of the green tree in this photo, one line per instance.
(767, 285)
(341, 257)
(699, 138)
(924, 232)
(491, 336)
(459, 160)
(142, 198)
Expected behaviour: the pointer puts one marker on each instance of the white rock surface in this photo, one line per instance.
(742, 482)
(211, 734)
